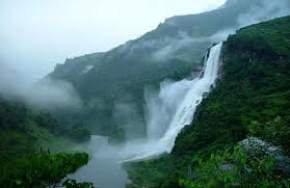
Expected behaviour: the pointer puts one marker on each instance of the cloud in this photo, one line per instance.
(45, 94)
(261, 11)
(35, 35)
(53, 94)
(173, 45)
(267, 10)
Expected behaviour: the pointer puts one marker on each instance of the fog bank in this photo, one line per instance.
(35, 35)
(44, 94)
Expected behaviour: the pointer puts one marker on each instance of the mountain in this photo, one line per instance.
(112, 84)
(239, 135)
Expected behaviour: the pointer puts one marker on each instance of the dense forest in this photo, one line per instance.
(240, 133)
(27, 158)
(239, 136)
(173, 50)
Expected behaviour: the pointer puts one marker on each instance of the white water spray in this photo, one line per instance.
(172, 110)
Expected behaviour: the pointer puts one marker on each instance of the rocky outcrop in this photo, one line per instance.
(255, 147)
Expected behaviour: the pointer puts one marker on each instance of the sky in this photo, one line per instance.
(37, 34)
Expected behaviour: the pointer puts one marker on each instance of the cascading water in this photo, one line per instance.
(167, 114)
(170, 111)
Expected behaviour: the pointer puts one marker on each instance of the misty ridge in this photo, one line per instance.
(176, 47)
(67, 87)
(265, 10)
(200, 101)
(53, 93)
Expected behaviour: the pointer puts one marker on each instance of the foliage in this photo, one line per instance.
(251, 98)
(233, 168)
(40, 169)
(22, 130)
(73, 184)
(117, 136)
(121, 74)
(79, 134)
(12, 115)
(153, 173)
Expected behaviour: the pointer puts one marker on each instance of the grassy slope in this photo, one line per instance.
(252, 98)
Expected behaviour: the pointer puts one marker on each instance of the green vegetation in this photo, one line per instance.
(120, 75)
(233, 168)
(79, 134)
(25, 159)
(73, 184)
(40, 169)
(251, 98)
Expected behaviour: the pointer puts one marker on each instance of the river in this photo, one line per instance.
(104, 169)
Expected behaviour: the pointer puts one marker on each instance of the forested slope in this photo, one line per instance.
(109, 81)
(27, 136)
(251, 100)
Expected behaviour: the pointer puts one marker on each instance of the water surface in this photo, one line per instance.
(104, 169)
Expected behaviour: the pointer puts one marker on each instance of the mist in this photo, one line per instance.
(162, 105)
(45, 94)
(84, 28)
(36, 35)
(266, 11)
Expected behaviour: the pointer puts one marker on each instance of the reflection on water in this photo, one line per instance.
(104, 169)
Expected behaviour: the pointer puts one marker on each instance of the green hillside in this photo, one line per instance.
(173, 50)
(251, 99)
(29, 141)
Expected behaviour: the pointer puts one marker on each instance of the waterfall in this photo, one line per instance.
(173, 109)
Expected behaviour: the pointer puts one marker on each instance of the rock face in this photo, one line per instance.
(257, 147)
